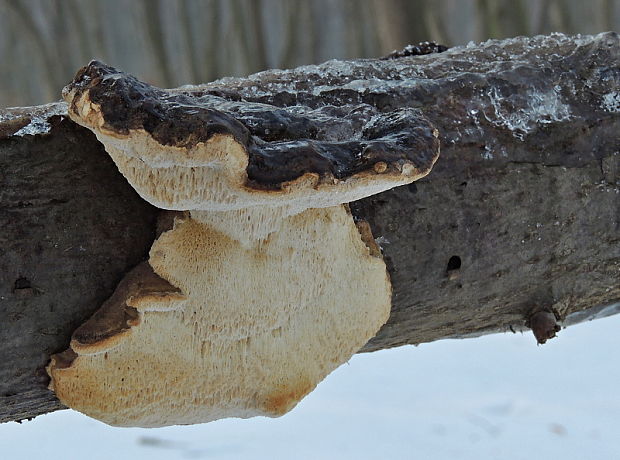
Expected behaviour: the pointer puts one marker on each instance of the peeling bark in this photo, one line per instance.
(519, 215)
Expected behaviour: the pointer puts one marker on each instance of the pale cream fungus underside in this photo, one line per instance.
(277, 289)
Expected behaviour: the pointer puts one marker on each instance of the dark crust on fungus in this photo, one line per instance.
(64, 359)
(283, 142)
(115, 316)
(420, 49)
(127, 103)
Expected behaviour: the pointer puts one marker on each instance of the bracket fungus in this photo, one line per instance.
(264, 284)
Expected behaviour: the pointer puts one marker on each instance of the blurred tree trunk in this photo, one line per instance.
(400, 22)
(191, 56)
(154, 26)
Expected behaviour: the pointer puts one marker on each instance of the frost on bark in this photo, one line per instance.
(519, 215)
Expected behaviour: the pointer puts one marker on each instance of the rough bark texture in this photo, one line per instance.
(519, 215)
(71, 228)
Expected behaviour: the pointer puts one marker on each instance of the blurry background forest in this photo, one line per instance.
(173, 42)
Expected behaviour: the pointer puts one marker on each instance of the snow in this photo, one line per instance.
(498, 396)
(524, 114)
(611, 102)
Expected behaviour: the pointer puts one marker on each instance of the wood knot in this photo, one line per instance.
(544, 325)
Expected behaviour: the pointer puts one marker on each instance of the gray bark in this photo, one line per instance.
(520, 214)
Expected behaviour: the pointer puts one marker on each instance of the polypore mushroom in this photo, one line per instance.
(263, 285)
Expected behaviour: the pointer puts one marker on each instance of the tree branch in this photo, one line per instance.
(520, 214)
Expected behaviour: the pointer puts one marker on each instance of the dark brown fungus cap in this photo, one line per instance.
(127, 103)
(282, 143)
(120, 312)
(417, 50)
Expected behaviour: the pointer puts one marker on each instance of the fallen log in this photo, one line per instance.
(518, 219)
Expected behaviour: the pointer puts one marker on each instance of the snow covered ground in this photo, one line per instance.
(495, 397)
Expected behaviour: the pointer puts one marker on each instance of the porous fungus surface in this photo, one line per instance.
(262, 325)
